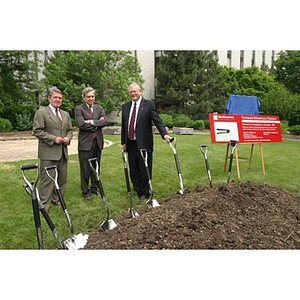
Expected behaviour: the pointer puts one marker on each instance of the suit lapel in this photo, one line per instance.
(54, 118)
(140, 111)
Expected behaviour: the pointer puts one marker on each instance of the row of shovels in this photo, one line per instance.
(78, 241)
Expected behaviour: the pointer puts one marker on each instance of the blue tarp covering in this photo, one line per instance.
(242, 105)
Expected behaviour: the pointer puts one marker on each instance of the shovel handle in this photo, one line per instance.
(126, 171)
(144, 154)
(202, 147)
(29, 166)
(124, 155)
(95, 169)
(54, 179)
(30, 184)
(173, 139)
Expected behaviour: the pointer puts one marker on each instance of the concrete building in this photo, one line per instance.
(237, 59)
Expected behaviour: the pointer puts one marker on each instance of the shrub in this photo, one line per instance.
(284, 126)
(295, 129)
(206, 124)
(199, 124)
(24, 121)
(13, 113)
(5, 125)
(167, 120)
(183, 121)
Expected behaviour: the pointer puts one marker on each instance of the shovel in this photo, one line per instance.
(131, 210)
(150, 202)
(73, 243)
(59, 194)
(108, 224)
(203, 149)
(35, 205)
(233, 145)
(28, 187)
(182, 189)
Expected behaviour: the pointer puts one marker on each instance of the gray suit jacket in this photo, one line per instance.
(46, 128)
(86, 131)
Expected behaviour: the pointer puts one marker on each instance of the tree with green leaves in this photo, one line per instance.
(249, 81)
(287, 70)
(19, 87)
(190, 82)
(280, 101)
(108, 72)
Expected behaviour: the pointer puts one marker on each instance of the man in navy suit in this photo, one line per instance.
(90, 118)
(145, 114)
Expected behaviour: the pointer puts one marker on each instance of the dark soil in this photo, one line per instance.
(228, 216)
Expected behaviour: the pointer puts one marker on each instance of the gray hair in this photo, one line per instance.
(54, 89)
(134, 84)
(87, 90)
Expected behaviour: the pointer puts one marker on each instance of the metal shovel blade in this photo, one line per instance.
(108, 225)
(182, 191)
(152, 203)
(76, 242)
(132, 212)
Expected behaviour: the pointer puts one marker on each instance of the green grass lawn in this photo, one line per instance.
(17, 230)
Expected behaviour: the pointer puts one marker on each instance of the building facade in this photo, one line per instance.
(237, 59)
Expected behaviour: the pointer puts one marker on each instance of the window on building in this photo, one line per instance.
(229, 58)
(263, 57)
(253, 58)
(241, 59)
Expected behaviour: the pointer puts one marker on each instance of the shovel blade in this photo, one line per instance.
(76, 242)
(152, 203)
(132, 212)
(108, 225)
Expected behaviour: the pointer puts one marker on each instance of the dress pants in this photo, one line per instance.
(138, 173)
(47, 188)
(86, 173)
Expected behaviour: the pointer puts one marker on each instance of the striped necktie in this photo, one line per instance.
(131, 125)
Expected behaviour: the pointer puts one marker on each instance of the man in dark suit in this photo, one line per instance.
(142, 137)
(53, 128)
(90, 118)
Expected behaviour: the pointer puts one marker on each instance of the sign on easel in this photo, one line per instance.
(244, 128)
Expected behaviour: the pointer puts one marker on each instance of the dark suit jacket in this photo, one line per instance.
(86, 131)
(143, 130)
(46, 128)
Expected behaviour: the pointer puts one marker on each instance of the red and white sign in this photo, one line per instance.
(244, 128)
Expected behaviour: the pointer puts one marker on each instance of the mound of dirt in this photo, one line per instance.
(228, 216)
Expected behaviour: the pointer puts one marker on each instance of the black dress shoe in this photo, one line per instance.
(56, 203)
(87, 197)
(95, 192)
(142, 198)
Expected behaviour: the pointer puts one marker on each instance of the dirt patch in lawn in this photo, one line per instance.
(227, 216)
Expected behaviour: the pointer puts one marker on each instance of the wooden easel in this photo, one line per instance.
(250, 160)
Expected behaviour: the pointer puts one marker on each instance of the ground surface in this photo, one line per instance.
(228, 216)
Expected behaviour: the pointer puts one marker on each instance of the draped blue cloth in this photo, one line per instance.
(242, 105)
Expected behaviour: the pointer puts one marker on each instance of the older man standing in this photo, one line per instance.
(53, 128)
(90, 118)
(136, 134)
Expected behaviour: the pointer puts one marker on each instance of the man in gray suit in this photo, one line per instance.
(53, 128)
(90, 118)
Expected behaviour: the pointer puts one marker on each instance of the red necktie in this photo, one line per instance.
(131, 125)
(91, 112)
